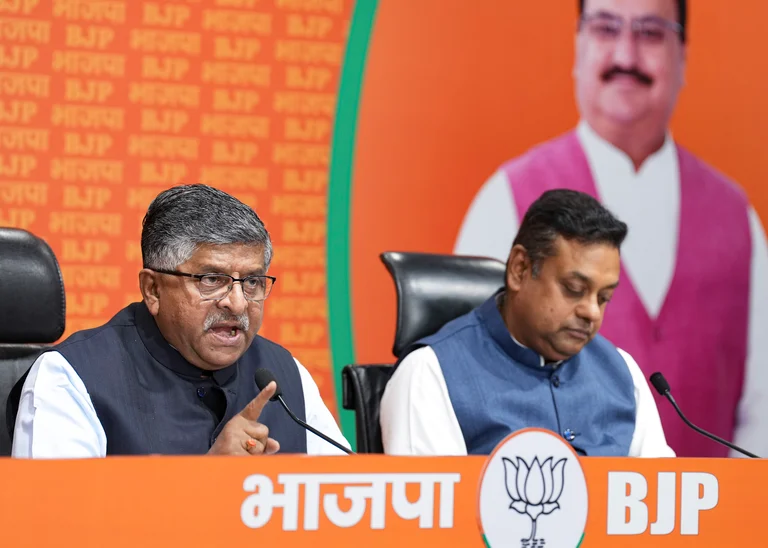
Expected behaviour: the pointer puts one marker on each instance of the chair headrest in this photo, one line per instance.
(32, 302)
(435, 289)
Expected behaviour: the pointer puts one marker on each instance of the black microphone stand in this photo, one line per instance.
(313, 430)
(704, 432)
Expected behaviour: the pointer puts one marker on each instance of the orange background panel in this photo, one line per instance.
(453, 89)
(248, 87)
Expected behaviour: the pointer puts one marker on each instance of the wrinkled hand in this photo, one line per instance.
(244, 434)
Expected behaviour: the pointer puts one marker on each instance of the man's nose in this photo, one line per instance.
(235, 300)
(626, 51)
(589, 310)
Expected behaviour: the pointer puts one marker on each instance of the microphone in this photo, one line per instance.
(662, 387)
(263, 377)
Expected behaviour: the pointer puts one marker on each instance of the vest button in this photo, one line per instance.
(555, 381)
(201, 392)
(569, 434)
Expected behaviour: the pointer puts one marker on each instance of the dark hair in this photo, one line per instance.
(184, 217)
(682, 16)
(570, 214)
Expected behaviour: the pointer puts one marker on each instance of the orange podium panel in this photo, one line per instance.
(533, 491)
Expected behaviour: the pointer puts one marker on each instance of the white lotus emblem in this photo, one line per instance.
(534, 489)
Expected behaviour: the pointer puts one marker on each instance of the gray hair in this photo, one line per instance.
(184, 217)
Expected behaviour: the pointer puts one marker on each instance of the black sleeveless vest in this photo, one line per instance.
(150, 400)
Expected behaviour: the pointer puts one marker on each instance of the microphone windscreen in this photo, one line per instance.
(660, 383)
(263, 377)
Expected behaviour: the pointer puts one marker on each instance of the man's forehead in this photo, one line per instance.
(634, 8)
(229, 255)
(572, 255)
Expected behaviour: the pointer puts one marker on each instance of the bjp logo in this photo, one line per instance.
(534, 489)
(532, 473)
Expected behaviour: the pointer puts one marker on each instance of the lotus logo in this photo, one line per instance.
(524, 479)
(534, 489)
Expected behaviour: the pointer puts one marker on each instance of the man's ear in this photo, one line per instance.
(148, 284)
(518, 267)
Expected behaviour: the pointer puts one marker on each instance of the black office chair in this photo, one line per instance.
(431, 291)
(362, 387)
(32, 306)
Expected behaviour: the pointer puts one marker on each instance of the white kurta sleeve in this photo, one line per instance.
(319, 416)
(56, 417)
(416, 414)
(648, 439)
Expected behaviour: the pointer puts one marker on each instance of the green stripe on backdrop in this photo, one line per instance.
(340, 202)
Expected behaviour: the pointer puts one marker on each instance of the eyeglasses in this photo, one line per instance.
(214, 287)
(646, 30)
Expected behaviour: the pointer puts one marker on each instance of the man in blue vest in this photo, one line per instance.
(174, 374)
(530, 356)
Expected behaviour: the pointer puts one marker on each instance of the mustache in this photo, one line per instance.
(242, 321)
(641, 77)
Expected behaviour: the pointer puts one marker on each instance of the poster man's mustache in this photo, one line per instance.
(618, 71)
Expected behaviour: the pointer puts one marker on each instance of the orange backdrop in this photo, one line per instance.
(104, 104)
(454, 88)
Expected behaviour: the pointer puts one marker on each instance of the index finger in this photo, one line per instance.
(253, 410)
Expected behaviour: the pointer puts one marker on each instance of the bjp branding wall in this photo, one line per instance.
(453, 90)
(103, 104)
(351, 127)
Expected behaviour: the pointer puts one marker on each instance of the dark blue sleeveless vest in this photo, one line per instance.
(497, 386)
(149, 399)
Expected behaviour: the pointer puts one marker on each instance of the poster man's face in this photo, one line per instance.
(630, 61)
